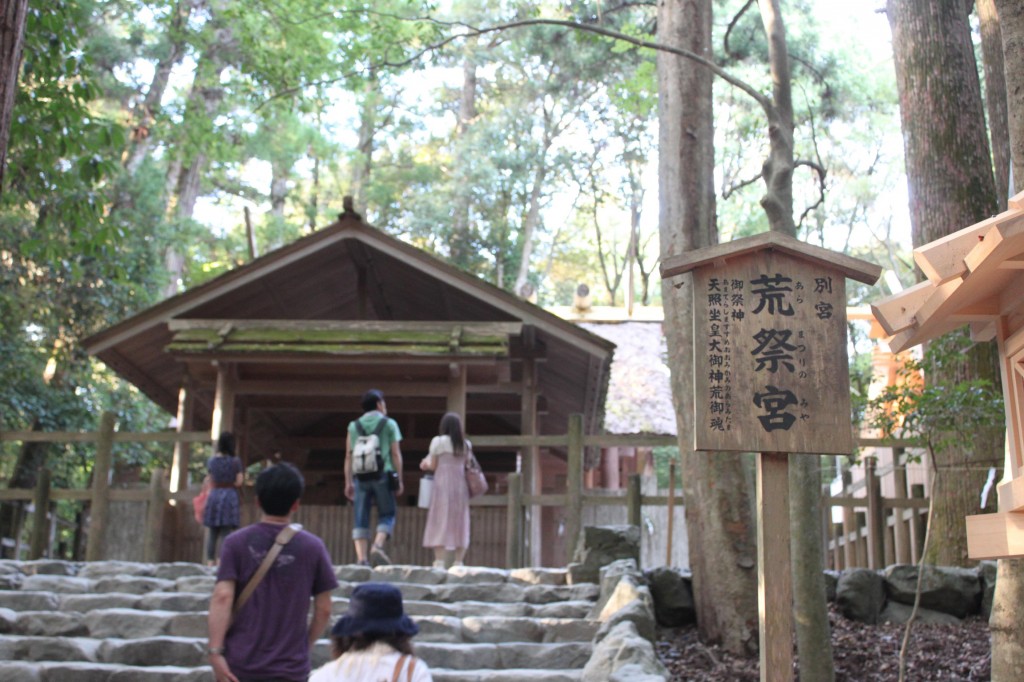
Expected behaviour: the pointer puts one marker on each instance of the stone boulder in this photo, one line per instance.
(672, 591)
(600, 546)
(623, 651)
(860, 595)
(949, 589)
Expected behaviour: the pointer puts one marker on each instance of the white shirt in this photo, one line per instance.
(373, 664)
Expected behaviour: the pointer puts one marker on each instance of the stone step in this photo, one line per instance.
(188, 652)
(510, 675)
(76, 671)
(124, 623)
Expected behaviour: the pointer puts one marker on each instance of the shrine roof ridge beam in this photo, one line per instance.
(441, 326)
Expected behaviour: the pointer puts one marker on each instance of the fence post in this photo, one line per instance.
(876, 518)
(100, 507)
(40, 524)
(155, 517)
(900, 532)
(514, 520)
(633, 510)
(574, 485)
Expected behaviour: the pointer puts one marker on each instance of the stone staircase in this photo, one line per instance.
(132, 622)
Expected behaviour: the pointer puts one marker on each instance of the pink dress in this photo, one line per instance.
(448, 516)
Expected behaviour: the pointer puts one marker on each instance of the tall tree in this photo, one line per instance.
(951, 186)
(717, 489)
(1007, 619)
(12, 37)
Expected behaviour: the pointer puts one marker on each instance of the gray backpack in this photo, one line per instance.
(367, 462)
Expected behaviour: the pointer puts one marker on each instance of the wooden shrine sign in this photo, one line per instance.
(770, 352)
(772, 377)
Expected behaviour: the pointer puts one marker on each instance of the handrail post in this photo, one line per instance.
(155, 517)
(40, 524)
(100, 509)
(574, 485)
(633, 501)
(514, 521)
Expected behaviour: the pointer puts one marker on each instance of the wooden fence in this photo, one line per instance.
(164, 520)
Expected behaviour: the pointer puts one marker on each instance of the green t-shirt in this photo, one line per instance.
(388, 435)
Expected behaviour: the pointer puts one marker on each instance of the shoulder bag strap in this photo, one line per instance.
(408, 671)
(282, 539)
(398, 667)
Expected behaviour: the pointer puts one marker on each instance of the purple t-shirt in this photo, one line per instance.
(269, 637)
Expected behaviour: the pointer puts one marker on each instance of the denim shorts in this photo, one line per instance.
(368, 492)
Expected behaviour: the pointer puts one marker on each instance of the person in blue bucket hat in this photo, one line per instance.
(372, 642)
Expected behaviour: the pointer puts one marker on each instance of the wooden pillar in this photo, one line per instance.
(774, 577)
(514, 522)
(849, 538)
(876, 517)
(610, 468)
(182, 451)
(634, 512)
(574, 486)
(155, 517)
(100, 509)
(531, 462)
(457, 391)
(671, 510)
(224, 401)
(40, 522)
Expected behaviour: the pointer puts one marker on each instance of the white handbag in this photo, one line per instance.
(426, 487)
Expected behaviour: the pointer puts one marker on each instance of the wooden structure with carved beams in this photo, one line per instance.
(975, 277)
(280, 350)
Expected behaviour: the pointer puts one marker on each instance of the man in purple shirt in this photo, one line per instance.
(270, 637)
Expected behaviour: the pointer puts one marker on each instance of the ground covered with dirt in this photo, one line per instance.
(862, 653)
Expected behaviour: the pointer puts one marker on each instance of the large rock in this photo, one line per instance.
(622, 649)
(898, 614)
(672, 592)
(601, 545)
(952, 590)
(987, 575)
(860, 595)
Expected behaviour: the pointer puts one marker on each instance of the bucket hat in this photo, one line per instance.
(375, 609)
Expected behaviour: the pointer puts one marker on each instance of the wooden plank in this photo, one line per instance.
(943, 259)
(774, 575)
(1011, 495)
(1004, 240)
(897, 312)
(995, 536)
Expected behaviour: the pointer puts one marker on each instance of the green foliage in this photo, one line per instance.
(939, 415)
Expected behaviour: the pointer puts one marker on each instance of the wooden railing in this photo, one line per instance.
(882, 535)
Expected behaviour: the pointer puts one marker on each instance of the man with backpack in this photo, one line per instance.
(373, 474)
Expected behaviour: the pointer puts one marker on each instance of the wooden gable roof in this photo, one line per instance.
(350, 278)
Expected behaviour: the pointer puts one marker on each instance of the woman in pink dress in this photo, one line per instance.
(447, 528)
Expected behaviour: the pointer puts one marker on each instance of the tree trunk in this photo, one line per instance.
(810, 604)
(717, 487)
(12, 37)
(1007, 620)
(363, 163)
(995, 96)
(145, 111)
(532, 218)
(951, 186)
(459, 246)
(777, 170)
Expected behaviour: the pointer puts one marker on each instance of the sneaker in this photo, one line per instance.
(378, 557)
